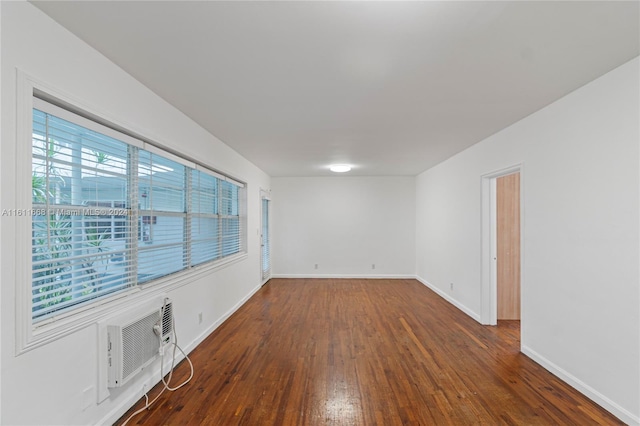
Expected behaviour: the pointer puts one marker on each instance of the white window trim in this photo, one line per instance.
(28, 337)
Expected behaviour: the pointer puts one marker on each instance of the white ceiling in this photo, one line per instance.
(393, 88)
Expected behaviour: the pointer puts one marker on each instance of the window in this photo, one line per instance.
(162, 191)
(111, 213)
(74, 242)
(229, 218)
(205, 220)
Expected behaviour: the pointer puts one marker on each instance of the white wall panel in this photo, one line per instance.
(344, 225)
(580, 287)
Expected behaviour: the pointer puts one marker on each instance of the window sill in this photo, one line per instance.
(71, 322)
(178, 279)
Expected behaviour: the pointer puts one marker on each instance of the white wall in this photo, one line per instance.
(580, 288)
(56, 383)
(1, 285)
(343, 224)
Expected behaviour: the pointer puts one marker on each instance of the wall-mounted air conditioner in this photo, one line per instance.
(135, 339)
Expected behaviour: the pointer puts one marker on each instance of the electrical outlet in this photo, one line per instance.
(200, 318)
(373, 266)
(451, 286)
(316, 267)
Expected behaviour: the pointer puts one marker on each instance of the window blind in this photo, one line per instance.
(162, 188)
(80, 226)
(109, 214)
(205, 219)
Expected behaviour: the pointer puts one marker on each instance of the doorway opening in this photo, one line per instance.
(265, 237)
(502, 255)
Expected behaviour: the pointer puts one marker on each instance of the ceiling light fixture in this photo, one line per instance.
(340, 168)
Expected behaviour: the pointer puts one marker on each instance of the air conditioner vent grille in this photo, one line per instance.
(139, 344)
(135, 337)
(167, 319)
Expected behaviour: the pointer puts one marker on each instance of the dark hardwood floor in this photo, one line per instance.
(364, 352)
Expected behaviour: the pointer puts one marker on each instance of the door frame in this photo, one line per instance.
(265, 194)
(489, 286)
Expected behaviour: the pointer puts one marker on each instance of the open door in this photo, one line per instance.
(508, 246)
(501, 239)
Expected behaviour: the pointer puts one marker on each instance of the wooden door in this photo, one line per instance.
(508, 246)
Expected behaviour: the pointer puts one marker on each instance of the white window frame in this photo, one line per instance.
(29, 335)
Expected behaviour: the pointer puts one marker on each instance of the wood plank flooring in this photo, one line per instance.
(364, 352)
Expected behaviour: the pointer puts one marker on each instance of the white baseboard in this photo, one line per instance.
(128, 401)
(449, 299)
(573, 381)
(622, 414)
(346, 276)
(191, 346)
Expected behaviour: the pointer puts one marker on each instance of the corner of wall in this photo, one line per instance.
(449, 299)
